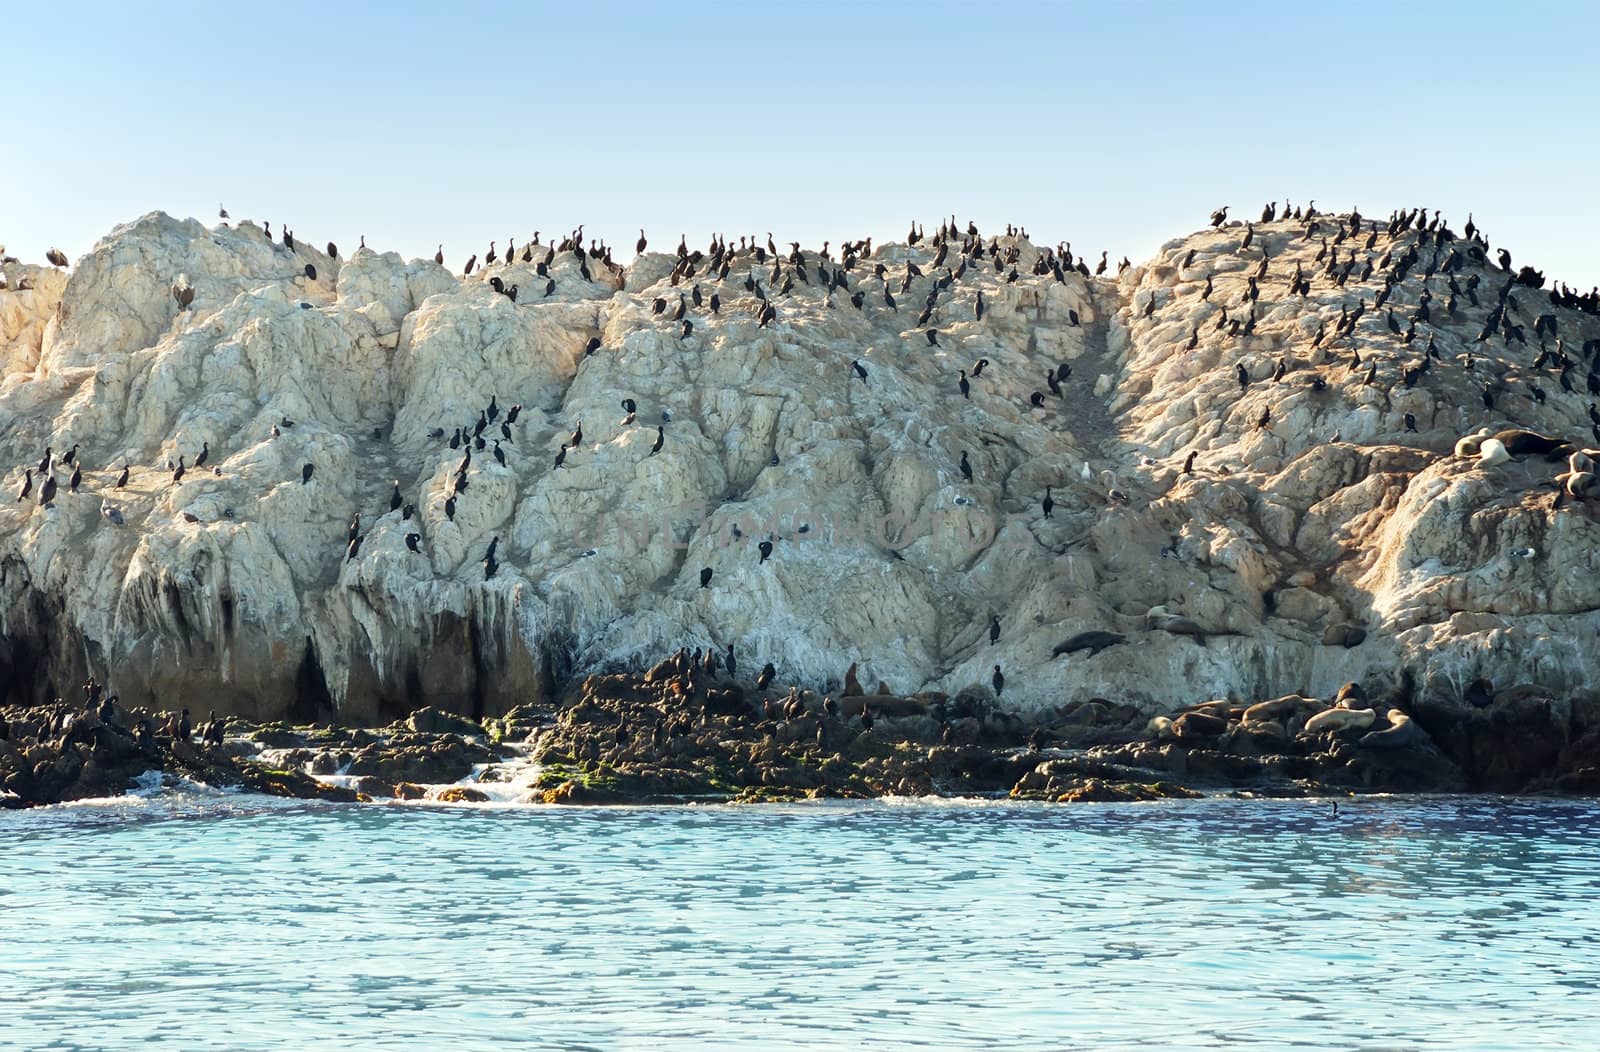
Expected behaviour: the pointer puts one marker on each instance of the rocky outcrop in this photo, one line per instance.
(58, 753)
(680, 734)
(1305, 562)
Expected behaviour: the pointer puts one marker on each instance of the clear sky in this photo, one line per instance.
(1112, 125)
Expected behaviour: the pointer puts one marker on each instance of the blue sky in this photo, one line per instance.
(1113, 125)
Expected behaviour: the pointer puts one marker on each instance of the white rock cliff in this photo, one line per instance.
(232, 589)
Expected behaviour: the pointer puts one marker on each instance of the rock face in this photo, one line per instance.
(1305, 563)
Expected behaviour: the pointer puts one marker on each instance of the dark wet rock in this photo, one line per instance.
(374, 787)
(428, 720)
(419, 757)
(461, 794)
(686, 736)
(518, 724)
(1520, 738)
(59, 752)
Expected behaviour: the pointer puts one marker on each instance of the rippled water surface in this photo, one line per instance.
(242, 923)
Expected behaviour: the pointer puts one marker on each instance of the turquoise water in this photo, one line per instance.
(204, 922)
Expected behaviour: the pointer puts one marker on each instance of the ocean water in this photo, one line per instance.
(196, 921)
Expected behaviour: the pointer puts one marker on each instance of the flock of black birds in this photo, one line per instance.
(1409, 253)
(99, 711)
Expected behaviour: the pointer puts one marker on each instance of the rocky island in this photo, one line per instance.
(1298, 505)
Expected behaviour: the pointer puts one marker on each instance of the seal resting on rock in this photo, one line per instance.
(1093, 641)
(1467, 446)
(1277, 708)
(1350, 696)
(1198, 726)
(852, 686)
(1344, 635)
(1491, 452)
(1159, 619)
(1521, 443)
(1401, 732)
(1340, 719)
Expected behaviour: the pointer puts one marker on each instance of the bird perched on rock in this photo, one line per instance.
(999, 681)
(766, 551)
(768, 671)
(705, 577)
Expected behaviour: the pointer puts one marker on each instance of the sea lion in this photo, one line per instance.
(1520, 443)
(1350, 696)
(1158, 619)
(1344, 635)
(1340, 719)
(1467, 446)
(1159, 727)
(1276, 709)
(1093, 641)
(662, 670)
(1491, 452)
(852, 686)
(1401, 732)
(1198, 726)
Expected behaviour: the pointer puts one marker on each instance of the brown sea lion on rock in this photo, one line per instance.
(1350, 696)
(1198, 726)
(852, 686)
(1469, 445)
(1520, 443)
(1344, 635)
(1277, 709)
(1402, 732)
(1340, 719)
(1158, 619)
(662, 670)
(1093, 641)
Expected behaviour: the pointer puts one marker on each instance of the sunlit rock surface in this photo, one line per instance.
(232, 589)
